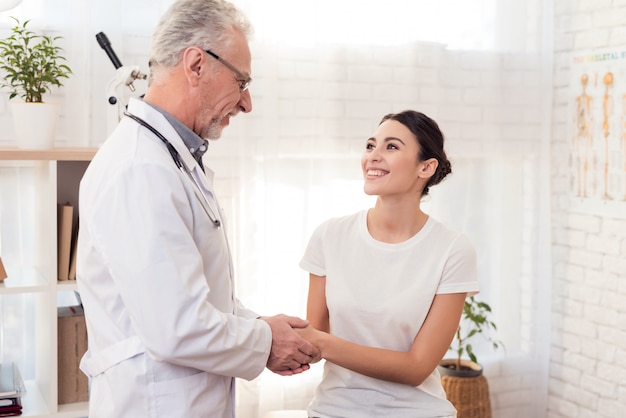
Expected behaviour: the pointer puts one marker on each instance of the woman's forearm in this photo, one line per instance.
(411, 367)
(390, 365)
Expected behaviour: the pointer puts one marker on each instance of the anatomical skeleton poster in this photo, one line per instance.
(597, 178)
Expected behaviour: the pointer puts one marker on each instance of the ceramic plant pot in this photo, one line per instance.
(35, 124)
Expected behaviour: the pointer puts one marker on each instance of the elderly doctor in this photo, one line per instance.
(167, 335)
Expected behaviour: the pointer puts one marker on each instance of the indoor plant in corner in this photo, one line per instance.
(463, 380)
(31, 64)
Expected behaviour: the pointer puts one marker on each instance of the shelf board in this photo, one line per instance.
(58, 154)
(66, 285)
(73, 410)
(33, 404)
(23, 280)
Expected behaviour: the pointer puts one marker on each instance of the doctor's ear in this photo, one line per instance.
(193, 61)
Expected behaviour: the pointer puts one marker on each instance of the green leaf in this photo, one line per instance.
(474, 321)
(30, 65)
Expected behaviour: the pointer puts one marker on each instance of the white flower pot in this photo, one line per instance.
(35, 124)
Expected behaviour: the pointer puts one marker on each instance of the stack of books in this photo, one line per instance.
(11, 390)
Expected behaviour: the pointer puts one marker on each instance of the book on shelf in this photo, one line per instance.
(10, 401)
(72, 273)
(72, 344)
(65, 216)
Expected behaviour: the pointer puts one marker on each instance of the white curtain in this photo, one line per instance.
(325, 72)
(324, 78)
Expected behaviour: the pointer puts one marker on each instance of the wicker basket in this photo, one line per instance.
(469, 395)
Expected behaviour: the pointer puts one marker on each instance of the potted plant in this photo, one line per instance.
(463, 380)
(32, 64)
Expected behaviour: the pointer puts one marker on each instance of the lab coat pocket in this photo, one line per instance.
(182, 396)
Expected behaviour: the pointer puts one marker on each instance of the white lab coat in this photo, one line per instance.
(166, 333)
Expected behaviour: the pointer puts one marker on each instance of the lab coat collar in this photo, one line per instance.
(143, 110)
(197, 146)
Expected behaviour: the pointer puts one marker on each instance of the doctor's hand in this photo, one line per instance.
(290, 353)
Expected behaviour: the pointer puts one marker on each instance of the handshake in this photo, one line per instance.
(291, 353)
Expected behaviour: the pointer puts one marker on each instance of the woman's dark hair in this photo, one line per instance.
(430, 140)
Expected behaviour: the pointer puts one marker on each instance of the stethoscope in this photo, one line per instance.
(182, 167)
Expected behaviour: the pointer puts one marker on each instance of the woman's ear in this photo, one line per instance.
(428, 167)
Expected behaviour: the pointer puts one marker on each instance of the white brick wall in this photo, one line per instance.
(588, 356)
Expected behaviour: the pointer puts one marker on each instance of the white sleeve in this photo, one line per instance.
(313, 258)
(460, 270)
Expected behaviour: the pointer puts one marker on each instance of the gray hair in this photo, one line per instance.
(201, 23)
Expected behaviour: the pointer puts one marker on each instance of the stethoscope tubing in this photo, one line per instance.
(181, 166)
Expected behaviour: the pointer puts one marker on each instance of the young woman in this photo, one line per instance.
(388, 284)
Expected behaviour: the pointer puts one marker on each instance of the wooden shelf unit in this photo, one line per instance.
(32, 182)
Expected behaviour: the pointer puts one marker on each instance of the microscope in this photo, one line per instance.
(124, 76)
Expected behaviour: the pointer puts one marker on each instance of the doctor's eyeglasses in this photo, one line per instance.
(244, 80)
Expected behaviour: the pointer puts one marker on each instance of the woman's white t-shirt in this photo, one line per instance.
(378, 295)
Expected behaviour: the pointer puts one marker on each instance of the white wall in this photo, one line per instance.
(588, 355)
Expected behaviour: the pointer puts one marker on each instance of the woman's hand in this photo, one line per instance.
(315, 337)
